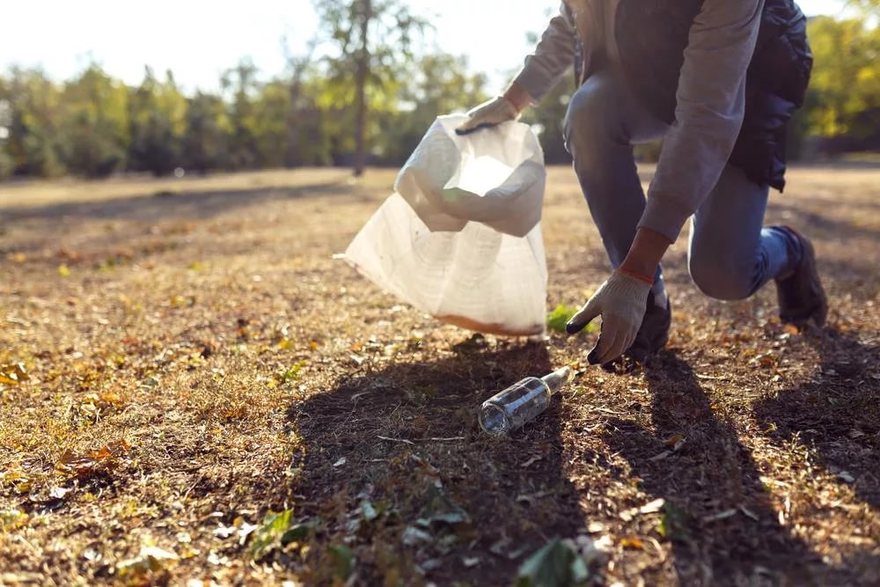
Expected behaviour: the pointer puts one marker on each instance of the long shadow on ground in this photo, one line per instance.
(436, 500)
(718, 516)
(837, 414)
(182, 205)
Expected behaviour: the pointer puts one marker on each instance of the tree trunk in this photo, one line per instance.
(291, 155)
(363, 70)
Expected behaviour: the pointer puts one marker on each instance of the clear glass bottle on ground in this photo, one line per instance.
(521, 402)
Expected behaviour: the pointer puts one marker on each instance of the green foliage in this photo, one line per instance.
(31, 117)
(554, 565)
(549, 116)
(206, 135)
(373, 95)
(559, 317)
(343, 560)
(845, 84)
(867, 7)
(561, 314)
(94, 125)
(157, 118)
(674, 524)
(373, 41)
(440, 85)
(276, 531)
(241, 87)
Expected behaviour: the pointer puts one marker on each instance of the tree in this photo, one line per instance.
(240, 84)
(95, 123)
(439, 84)
(7, 166)
(846, 77)
(31, 106)
(867, 7)
(270, 125)
(373, 39)
(157, 115)
(549, 117)
(206, 138)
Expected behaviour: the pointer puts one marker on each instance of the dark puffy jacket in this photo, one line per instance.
(652, 36)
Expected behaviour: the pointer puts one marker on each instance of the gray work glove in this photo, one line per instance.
(621, 301)
(491, 113)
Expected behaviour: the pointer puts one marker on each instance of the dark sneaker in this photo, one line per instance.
(801, 296)
(652, 336)
(654, 332)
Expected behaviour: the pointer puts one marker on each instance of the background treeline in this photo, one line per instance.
(95, 125)
(367, 100)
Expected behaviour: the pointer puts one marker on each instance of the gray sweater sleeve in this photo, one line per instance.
(708, 115)
(552, 57)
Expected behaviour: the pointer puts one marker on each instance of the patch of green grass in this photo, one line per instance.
(560, 316)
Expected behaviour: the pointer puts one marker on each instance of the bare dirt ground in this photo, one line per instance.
(192, 359)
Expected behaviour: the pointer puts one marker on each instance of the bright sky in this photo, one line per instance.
(198, 39)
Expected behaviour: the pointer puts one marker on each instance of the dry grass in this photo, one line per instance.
(197, 359)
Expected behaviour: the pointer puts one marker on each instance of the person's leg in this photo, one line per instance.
(602, 123)
(731, 254)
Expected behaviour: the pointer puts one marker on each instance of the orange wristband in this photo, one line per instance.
(639, 276)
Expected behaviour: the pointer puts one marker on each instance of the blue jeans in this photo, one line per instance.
(730, 254)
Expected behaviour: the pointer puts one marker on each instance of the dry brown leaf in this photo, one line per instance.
(83, 466)
(13, 374)
(675, 442)
(632, 542)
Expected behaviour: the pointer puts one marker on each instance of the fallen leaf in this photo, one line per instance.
(368, 511)
(151, 559)
(79, 466)
(432, 564)
(531, 461)
(293, 372)
(721, 515)
(12, 519)
(245, 530)
(661, 456)
(649, 508)
(556, 564)
(276, 531)
(791, 329)
(846, 477)
(412, 536)
(343, 560)
(225, 531)
(441, 509)
(13, 374)
(653, 506)
(58, 492)
(632, 542)
(675, 442)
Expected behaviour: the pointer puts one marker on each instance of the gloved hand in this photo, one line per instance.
(495, 111)
(621, 301)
